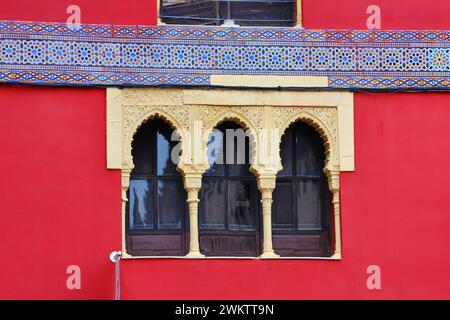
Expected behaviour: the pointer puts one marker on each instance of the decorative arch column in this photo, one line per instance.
(266, 185)
(192, 184)
(334, 186)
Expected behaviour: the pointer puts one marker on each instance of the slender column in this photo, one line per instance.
(158, 12)
(337, 224)
(194, 247)
(125, 186)
(334, 183)
(266, 185)
(299, 22)
(192, 183)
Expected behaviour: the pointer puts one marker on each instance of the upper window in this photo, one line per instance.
(157, 200)
(302, 203)
(235, 12)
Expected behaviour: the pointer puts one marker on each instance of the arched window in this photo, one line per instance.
(301, 220)
(157, 201)
(229, 206)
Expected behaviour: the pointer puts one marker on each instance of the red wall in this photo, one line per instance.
(342, 14)
(92, 11)
(61, 206)
(395, 14)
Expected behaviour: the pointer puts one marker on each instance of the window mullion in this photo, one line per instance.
(155, 181)
(294, 179)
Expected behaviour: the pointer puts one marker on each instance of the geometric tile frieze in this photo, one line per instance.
(58, 54)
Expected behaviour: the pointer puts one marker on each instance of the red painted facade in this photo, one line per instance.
(61, 206)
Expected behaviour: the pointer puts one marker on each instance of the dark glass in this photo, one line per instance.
(152, 148)
(286, 149)
(302, 156)
(226, 202)
(308, 205)
(165, 164)
(212, 204)
(309, 146)
(238, 153)
(216, 154)
(241, 215)
(282, 212)
(157, 201)
(171, 203)
(141, 204)
(142, 148)
(302, 205)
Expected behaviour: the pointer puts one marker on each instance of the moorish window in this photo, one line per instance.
(157, 211)
(229, 207)
(217, 207)
(239, 12)
(301, 211)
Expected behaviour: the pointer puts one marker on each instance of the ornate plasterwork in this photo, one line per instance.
(135, 115)
(265, 115)
(249, 117)
(322, 119)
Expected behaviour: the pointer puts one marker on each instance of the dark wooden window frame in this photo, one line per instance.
(292, 242)
(213, 235)
(157, 242)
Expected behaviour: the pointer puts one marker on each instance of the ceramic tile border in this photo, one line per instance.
(106, 55)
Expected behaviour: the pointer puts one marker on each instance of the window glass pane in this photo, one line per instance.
(141, 204)
(238, 152)
(286, 153)
(240, 205)
(142, 150)
(165, 165)
(212, 204)
(216, 154)
(171, 202)
(282, 206)
(308, 205)
(190, 12)
(262, 13)
(310, 153)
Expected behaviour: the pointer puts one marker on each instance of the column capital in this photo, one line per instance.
(266, 182)
(334, 181)
(192, 184)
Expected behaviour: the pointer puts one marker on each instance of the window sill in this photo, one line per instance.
(335, 257)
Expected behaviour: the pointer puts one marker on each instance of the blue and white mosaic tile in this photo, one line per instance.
(53, 53)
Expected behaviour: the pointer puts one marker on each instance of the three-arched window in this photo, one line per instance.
(229, 208)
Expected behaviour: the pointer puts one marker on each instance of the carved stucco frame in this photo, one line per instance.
(265, 114)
